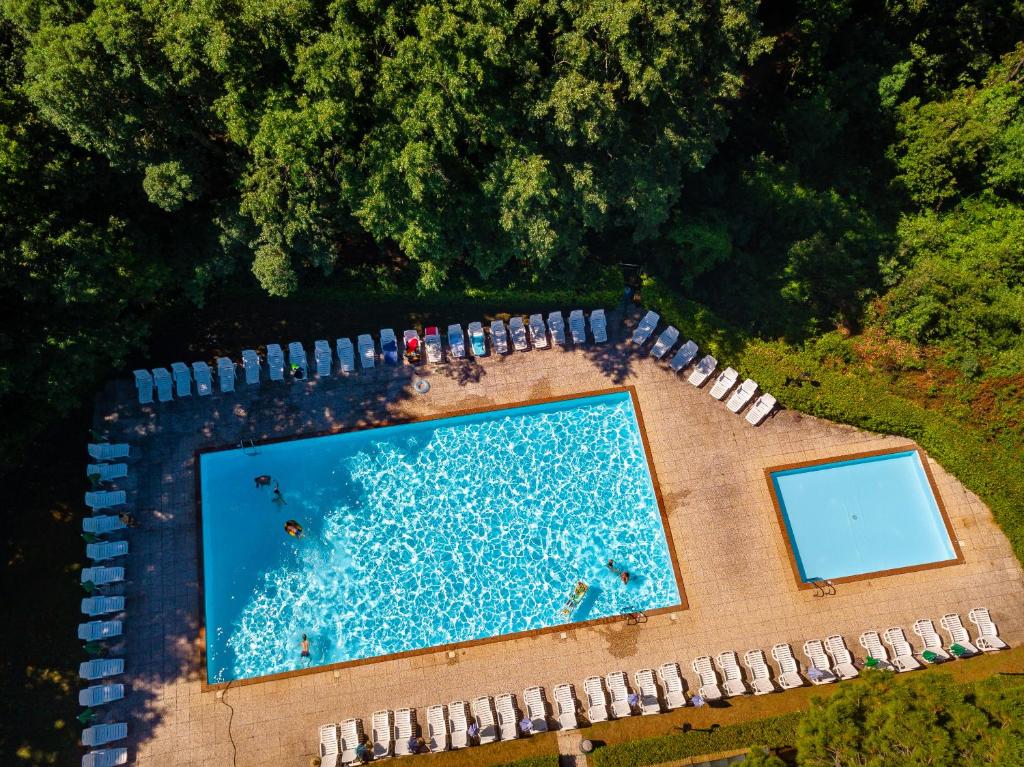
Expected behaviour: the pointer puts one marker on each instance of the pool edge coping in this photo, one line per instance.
(207, 686)
(913, 447)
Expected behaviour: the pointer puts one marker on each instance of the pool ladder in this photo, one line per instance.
(248, 447)
(823, 588)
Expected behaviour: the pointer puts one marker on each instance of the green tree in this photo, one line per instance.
(759, 757)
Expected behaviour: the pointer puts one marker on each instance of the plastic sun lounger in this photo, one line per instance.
(389, 346)
(105, 451)
(565, 700)
(988, 635)
(538, 332)
(164, 383)
(789, 671)
(508, 722)
(486, 720)
(437, 728)
(275, 362)
(456, 341)
(104, 499)
(577, 327)
(102, 524)
(144, 385)
(902, 653)
(871, 642)
(100, 694)
(730, 668)
(102, 575)
(499, 337)
(93, 606)
(684, 356)
(297, 359)
(933, 649)
(107, 472)
(599, 326)
(665, 342)
(958, 635)
(94, 631)
(458, 721)
(98, 552)
(182, 379)
(204, 378)
(251, 365)
(760, 677)
(412, 347)
(723, 383)
(820, 670)
(324, 361)
(742, 395)
(536, 709)
(101, 734)
(225, 375)
(650, 702)
(382, 733)
(350, 735)
(672, 678)
(329, 744)
(346, 355)
(518, 331)
(106, 757)
(477, 341)
(597, 700)
(703, 371)
(761, 409)
(645, 328)
(709, 689)
(432, 341)
(842, 660)
(619, 692)
(367, 353)
(406, 730)
(98, 668)
(557, 327)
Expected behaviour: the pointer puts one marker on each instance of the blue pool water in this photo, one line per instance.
(428, 533)
(861, 516)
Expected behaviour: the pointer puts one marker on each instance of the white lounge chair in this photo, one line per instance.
(842, 660)
(538, 332)
(297, 360)
(577, 327)
(102, 524)
(105, 757)
(518, 331)
(275, 362)
(105, 499)
(182, 379)
(871, 642)
(329, 745)
(557, 327)
(742, 395)
(350, 735)
(730, 668)
(105, 451)
(645, 328)
(902, 653)
(599, 326)
(322, 355)
(382, 733)
(665, 342)
(619, 691)
(412, 343)
(346, 355)
(933, 649)
(456, 341)
(144, 385)
(101, 734)
(684, 356)
(499, 337)
(703, 371)
(477, 339)
(486, 721)
(164, 383)
(107, 472)
(437, 728)
(406, 729)
(650, 702)
(458, 720)
(98, 552)
(99, 668)
(93, 606)
(988, 635)
(432, 340)
(100, 694)
(367, 353)
(723, 382)
(565, 700)
(226, 375)
(820, 670)
(94, 631)
(597, 700)
(789, 671)
(536, 708)
(204, 378)
(389, 347)
(957, 635)
(709, 689)
(760, 677)
(100, 576)
(672, 678)
(251, 365)
(761, 409)
(508, 723)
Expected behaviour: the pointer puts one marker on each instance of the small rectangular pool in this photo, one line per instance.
(426, 534)
(866, 515)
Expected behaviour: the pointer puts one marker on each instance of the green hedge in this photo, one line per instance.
(776, 732)
(548, 760)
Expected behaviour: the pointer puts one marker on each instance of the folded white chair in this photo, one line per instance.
(94, 631)
(329, 745)
(820, 670)
(650, 701)
(536, 708)
(925, 629)
(322, 355)
(518, 331)
(105, 757)
(144, 385)
(275, 362)
(902, 653)
(346, 355)
(486, 720)
(499, 337)
(367, 352)
(703, 371)
(619, 691)
(164, 384)
(204, 378)
(437, 728)
(743, 394)
(565, 700)
(182, 379)
(645, 328)
(684, 356)
(835, 646)
(104, 499)
(733, 676)
(760, 677)
(456, 341)
(557, 327)
(350, 735)
(382, 726)
(761, 409)
(102, 605)
(99, 668)
(226, 375)
(297, 359)
(98, 552)
(508, 723)
(957, 633)
(597, 700)
(432, 341)
(458, 720)
(672, 678)
(709, 689)
(723, 382)
(406, 729)
(101, 734)
(599, 326)
(105, 451)
(665, 342)
(538, 332)
(100, 694)
(988, 635)
(871, 642)
(100, 576)
(251, 365)
(577, 326)
(789, 671)
(107, 472)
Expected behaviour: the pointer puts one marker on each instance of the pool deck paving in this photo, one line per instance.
(710, 464)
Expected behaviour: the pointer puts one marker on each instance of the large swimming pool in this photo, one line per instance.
(427, 534)
(868, 515)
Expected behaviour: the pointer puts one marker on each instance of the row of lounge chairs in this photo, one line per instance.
(518, 335)
(101, 607)
(483, 720)
(704, 369)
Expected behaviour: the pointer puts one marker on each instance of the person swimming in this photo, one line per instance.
(624, 575)
(278, 498)
(305, 647)
(293, 528)
(263, 480)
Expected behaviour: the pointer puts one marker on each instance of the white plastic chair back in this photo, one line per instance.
(226, 374)
(144, 384)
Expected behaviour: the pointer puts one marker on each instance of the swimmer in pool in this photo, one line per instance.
(263, 480)
(293, 528)
(625, 577)
(305, 647)
(278, 498)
